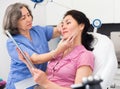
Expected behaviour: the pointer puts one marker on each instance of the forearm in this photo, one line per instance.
(56, 32)
(41, 78)
(41, 58)
(51, 85)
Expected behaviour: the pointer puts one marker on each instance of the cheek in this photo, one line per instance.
(66, 35)
(21, 26)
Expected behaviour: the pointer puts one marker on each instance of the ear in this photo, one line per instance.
(81, 26)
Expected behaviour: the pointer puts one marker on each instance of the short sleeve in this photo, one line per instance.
(86, 59)
(48, 32)
(11, 47)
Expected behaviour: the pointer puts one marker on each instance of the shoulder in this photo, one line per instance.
(85, 57)
(42, 27)
(81, 53)
(37, 27)
(81, 50)
(86, 54)
(45, 29)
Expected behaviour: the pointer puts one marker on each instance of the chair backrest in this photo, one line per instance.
(105, 59)
(115, 37)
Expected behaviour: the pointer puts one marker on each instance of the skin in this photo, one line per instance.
(71, 34)
(69, 27)
(24, 24)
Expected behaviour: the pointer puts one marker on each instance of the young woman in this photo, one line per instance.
(76, 62)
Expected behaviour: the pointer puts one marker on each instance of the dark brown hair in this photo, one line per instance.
(81, 18)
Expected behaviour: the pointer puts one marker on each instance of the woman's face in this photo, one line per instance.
(25, 22)
(69, 27)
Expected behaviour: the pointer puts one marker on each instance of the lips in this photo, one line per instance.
(64, 32)
(30, 24)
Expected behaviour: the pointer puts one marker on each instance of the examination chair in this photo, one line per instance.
(105, 59)
(105, 62)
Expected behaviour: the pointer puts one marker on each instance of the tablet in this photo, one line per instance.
(27, 59)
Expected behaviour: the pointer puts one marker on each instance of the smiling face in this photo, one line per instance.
(25, 22)
(70, 27)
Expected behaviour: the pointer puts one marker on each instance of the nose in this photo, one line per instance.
(29, 18)
(63, 26)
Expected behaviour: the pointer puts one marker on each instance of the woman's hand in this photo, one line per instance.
(21, 56)
(39, 76)
(64, 44)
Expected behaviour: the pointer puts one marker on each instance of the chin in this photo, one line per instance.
(65, 38)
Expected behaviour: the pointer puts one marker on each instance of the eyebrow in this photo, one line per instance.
(65, 21)
(26, 13)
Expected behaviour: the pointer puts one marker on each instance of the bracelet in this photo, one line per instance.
(53, 54)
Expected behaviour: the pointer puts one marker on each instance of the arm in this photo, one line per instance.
(83, 71)
(62, 46)
(57, 30)
(41, 58)
(41, 78)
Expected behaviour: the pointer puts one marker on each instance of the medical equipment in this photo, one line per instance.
(115, 37)
(96, 24)
(89, 83)
(27, 59)
(40, 2)
(44, 2)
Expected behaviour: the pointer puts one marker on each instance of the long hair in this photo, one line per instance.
(80, 17)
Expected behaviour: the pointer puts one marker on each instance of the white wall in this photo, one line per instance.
(51, 14)
(117, 11)
(108, 11)
(39, 18)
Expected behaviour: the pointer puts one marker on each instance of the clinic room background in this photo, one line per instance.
(108, 11)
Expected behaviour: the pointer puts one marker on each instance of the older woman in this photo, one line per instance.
(32, 39)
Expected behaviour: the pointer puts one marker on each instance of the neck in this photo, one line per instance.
(76, 42)
(26, 34)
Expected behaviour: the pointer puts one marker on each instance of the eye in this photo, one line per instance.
(28, 14)
(61, 25)
(23, 18)
(68, 22)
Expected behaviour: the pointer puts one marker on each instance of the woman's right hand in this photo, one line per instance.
(64, 44)
(39, 76)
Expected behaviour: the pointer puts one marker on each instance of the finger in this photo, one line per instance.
(72, 37)
(18, 51)
(35, 70)
(27, 54)
(59, 27)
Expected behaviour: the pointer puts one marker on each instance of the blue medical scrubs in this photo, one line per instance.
(39, 44)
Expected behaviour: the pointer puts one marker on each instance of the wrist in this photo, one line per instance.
(53, 54)
(45, 85)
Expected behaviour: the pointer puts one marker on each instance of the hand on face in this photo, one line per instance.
(65, 43)
(59, 27)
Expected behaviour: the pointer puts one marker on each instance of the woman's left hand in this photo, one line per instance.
(39, 76)
(21, 56)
